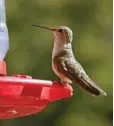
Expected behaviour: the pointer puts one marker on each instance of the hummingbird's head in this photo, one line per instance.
(63, 34)
(63, 38)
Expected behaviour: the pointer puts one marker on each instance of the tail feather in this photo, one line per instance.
(91, 87)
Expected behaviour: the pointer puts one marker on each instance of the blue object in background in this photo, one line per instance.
(4, 38)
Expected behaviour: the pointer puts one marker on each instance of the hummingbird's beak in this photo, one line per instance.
(51, 29)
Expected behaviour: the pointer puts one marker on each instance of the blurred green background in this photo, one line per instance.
(31, 48)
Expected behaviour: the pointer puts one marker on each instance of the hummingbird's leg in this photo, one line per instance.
(65, 82)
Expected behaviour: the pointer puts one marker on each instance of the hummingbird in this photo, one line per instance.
(64, 63)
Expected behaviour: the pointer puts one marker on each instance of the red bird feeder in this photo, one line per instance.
(20, 95)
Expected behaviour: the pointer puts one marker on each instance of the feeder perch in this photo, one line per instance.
(20, 95)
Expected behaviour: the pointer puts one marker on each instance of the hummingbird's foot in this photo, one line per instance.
(64, 83)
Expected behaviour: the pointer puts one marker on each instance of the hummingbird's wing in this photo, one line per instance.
(68, 66)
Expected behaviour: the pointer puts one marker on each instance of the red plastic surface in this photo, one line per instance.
(20, 95)
(2, 68)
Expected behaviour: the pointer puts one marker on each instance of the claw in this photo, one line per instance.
(64, 83)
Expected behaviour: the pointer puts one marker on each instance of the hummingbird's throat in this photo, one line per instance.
(60, 47)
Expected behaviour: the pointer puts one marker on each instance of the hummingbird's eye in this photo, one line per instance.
(60, 30)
